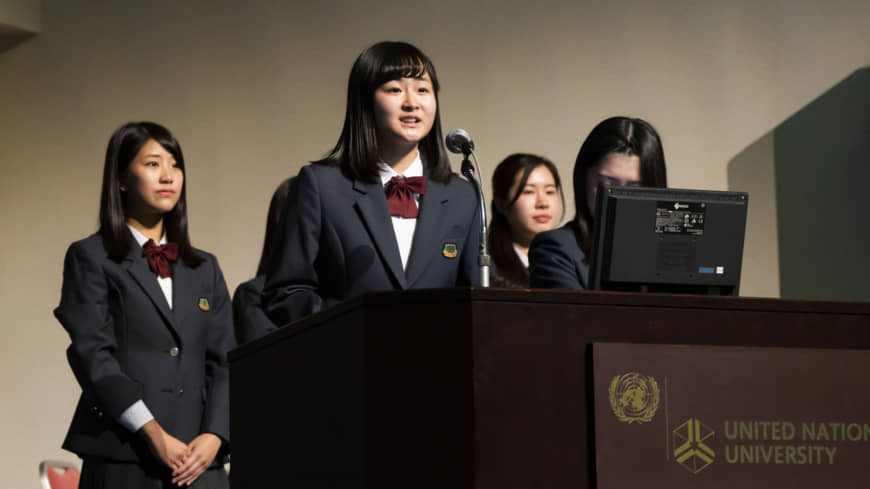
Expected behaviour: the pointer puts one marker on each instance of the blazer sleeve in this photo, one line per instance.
(552, 263)
(220, 340)
(291, 290)
(241, 298)
(84, 314)
(249, 319)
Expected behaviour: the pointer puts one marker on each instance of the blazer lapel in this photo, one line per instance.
(183, 291)
(137, 266)
(429, 229)
(372, 208)
(584, 272)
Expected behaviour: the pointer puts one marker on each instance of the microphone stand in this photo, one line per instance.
(483, 256)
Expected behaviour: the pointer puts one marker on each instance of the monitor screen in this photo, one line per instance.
(668, 240)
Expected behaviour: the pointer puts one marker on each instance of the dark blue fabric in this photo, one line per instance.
(336, 241)
(556, 261)
(123, 335)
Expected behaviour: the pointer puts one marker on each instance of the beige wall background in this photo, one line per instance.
(253, 90)
(21, 14)
(19, 20)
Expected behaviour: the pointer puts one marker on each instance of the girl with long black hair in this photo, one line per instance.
(620, 151)
(382, 211)
(527, 199)
(150, 324)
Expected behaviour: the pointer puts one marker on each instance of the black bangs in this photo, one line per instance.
(166, 139)
(393, 60)
(404, 67)
(174, 148)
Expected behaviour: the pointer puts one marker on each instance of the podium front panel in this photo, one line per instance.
(483, 389)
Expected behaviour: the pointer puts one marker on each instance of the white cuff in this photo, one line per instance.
(135, 416)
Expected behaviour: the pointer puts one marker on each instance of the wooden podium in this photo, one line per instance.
(471, 388)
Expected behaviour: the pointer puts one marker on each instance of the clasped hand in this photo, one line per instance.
(187, 462)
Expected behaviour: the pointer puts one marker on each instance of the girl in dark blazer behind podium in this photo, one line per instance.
(248, 317)
(150, 322)
(620, 151)
(526, 200)
(344, 236)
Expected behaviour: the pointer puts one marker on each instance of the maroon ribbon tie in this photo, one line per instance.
(159, 257)
(400, 195)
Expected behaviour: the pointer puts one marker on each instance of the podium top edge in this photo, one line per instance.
(478, 296)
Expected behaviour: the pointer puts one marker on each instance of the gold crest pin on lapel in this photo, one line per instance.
(203, 303)
(449, 250)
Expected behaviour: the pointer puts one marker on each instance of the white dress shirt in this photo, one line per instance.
(524, 258)
(403, 227)
(165, 283)
(134, 417)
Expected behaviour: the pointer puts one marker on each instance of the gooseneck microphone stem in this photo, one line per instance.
(458, 141)
(483, 257)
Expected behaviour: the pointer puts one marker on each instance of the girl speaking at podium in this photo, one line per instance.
(382, 211)
(150, 322)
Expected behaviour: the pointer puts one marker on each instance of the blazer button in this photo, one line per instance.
(173, 352)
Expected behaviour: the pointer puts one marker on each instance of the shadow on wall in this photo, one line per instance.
(808, 179)
(11, 36)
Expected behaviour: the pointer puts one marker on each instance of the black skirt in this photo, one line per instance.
(106, 474)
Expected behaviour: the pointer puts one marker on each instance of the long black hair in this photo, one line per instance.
(124, 144)
(357, 148)
(276, 209)
(621, 135)
(510, 270)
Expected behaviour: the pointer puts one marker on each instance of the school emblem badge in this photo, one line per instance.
(449, 250)
(634, 398)
(203, 303)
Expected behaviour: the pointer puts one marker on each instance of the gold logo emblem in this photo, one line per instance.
(634, 398)
(691, 450)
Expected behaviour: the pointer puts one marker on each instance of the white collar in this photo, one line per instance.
(387, 172)
(524, 258)
(141, 239)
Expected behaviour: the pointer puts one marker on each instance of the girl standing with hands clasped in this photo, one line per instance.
(150, 322)
(382, 211)
(620, 151)
(527, 200)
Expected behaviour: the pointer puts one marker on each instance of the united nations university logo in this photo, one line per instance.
(634, 398)
(691, 450)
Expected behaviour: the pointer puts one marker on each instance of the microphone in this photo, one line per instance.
(458, 141)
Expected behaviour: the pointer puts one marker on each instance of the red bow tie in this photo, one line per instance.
(159, 257)
(400, 195)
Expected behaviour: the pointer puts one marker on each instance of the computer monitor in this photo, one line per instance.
(668, 240)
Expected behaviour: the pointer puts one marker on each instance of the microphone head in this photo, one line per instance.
(459, 141)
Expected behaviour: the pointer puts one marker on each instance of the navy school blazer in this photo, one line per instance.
(248, 317)
(336, 241)
(556, 261)
(128, 345)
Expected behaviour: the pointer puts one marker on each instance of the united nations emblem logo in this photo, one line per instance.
(634, 398)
